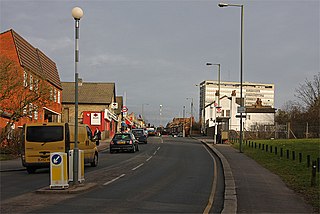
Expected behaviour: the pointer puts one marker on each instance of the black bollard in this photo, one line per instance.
(313, 177)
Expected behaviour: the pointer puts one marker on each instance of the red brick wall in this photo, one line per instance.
(8, 49)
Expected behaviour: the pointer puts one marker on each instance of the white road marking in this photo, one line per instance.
(214, 184)
(113, 180)
(149, 158)
(137, 167)
(158, 148)
(155, 153)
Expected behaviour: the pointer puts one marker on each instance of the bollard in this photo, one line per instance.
(308, 161)
(259, 145)
(276, 150)
(287, 153)
(281, 152)
(255, 145)
(270, 149)
(300, 157)
(318, 164)
(293, 155)
(313, 177)
(262, 146)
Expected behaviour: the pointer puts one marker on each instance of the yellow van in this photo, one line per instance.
(41, 139)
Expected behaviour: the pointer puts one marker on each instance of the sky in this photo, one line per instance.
(156, 50)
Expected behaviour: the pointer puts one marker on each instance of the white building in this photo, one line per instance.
(258, 100)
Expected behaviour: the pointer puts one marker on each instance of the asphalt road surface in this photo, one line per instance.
(167, 175)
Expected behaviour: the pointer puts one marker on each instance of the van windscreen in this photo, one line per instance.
(44, 133)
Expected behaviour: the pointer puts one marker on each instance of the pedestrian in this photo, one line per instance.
(97, 136)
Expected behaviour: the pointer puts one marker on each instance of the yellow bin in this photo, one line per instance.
(58, 170)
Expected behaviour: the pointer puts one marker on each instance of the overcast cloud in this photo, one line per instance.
(155, 51)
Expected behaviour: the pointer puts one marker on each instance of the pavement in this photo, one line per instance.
(249, 187)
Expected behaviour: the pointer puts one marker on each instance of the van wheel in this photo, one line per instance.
(94, 162)
(31, 170)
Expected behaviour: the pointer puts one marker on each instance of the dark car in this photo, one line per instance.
(124, 142)
(140, 135)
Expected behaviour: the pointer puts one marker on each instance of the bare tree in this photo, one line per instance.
(309, 92)
(17, 98)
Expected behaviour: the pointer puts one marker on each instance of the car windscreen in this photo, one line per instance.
(44, 133)
(122, 137)
(137, 132)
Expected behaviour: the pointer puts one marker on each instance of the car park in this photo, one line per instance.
(140, 135)
(124, 142)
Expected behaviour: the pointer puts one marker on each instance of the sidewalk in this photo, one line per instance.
(257, 190)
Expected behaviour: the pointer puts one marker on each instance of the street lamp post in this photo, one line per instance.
(215, 113)
(77, 13)
(142, 111)
(160, 114)
(191, 119)
(241, 66)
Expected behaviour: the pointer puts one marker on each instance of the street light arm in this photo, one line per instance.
(227, 5)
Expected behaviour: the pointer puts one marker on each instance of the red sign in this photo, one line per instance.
(124, 109)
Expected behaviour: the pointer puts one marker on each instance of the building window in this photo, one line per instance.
(31, 82)
(55, 95)
(58, 96)
(25, 79)
(227, 113)
(36, 85)
(35, 114)
(30, 110)
(24, 111)
(51, 93)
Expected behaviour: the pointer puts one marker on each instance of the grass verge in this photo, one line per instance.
(294, 173)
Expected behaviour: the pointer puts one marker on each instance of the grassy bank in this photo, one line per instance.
(294, 173)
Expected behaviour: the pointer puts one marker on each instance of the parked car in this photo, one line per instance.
(151, 131)
(140, 135)
(124, 142)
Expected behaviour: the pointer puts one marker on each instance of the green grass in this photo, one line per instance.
(295, 174)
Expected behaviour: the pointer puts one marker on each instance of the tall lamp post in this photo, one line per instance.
(160, 114)
(191, 119)
(215, 113)
(242, 110)
(77, 13)
(142, 111)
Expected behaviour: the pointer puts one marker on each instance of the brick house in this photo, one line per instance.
(94, 106)
(35, 74)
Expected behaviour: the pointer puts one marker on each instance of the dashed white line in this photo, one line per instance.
(113, 180)
(149, 158)
(140, 165)
(158, 148)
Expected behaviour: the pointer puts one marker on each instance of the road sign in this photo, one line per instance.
(124, 109)
(241, 109)
(114, 105)
(219, 109)
(58, 170)
(56, 159)
(239, 116)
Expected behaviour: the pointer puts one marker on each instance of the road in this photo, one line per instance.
(167, 175)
